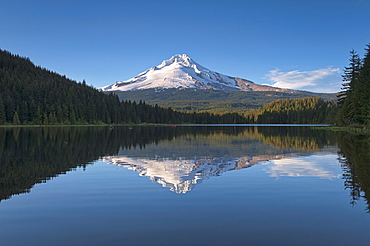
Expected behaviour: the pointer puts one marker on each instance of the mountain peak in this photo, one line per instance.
(180, 71)
(181, 59)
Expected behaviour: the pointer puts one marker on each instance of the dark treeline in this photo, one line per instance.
(353, 100)
(33, 95)
(308, 110)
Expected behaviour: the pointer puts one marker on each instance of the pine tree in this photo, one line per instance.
(2, 112)
(348, 107)
(362, 91)
(354, 104)
(45, 119)
(16, 120)
(38, 116)
(350, 76)
(73, 118)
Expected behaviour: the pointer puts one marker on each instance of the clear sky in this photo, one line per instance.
(296, 44)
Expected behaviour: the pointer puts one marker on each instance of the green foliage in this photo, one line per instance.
(354, 103)
(308, 110)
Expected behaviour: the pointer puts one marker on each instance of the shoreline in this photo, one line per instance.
(313, 126)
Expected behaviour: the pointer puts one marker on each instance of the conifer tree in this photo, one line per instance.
(2, 112)
(354, 103)
(38, 116)
(45, 119)
(16, 120)
(362, 91)
(350, 76)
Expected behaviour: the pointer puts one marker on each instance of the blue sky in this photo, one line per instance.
(294, 44)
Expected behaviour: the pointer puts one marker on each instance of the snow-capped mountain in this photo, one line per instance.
(180, 71)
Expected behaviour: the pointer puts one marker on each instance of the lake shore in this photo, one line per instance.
(357, 129)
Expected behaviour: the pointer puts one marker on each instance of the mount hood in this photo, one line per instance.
(180, 71)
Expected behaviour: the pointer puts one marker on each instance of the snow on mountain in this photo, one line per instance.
(180, 71)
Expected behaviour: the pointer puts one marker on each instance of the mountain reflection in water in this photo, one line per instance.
(179, 158)
(180, 164)
(181, 174)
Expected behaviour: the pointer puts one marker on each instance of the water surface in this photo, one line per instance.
(183, 186)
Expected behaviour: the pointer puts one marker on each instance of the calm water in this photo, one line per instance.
(183, 186)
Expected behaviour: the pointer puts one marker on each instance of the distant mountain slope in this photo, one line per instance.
(180, 71)
(213, 100)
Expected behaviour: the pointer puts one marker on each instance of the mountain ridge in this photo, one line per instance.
(181, 71)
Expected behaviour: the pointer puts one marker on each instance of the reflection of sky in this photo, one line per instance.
(323, 166)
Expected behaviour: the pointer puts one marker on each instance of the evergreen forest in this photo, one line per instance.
(308, 110)
(353, 100)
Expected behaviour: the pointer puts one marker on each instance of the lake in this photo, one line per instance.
(184, 185)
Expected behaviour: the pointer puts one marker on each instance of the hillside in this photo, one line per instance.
(219, 101)
(308, 110)
(34, 95)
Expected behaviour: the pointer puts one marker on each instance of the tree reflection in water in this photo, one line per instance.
(34, 155)
(354, 156)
